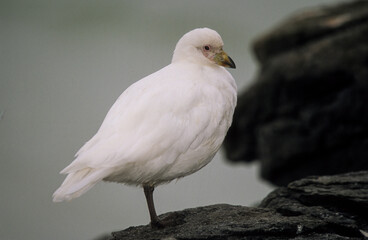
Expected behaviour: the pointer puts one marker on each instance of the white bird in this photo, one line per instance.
(165, 126)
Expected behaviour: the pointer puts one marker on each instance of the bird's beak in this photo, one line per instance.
(224, 60)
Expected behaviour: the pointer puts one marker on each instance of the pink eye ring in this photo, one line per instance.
(206, 47)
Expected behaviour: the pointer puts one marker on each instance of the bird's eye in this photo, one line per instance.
(206, 47)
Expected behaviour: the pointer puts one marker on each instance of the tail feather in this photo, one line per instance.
(77, 183)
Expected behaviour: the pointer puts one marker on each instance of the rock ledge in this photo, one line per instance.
(328, 207)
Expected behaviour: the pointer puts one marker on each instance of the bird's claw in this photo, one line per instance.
(171, 220)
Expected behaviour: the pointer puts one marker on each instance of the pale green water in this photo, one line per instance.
(63, 64)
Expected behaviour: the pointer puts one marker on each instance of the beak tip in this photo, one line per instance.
(232, 64)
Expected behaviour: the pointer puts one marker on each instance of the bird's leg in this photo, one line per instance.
(148, 192)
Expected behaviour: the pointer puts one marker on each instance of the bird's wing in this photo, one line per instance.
(158, 117)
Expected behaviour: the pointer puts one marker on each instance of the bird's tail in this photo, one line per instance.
(77, 183)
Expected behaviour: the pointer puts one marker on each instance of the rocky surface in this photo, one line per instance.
(329, 207)
(306, 112)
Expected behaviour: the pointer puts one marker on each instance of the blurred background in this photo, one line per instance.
(62, 66)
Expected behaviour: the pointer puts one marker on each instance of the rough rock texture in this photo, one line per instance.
(329, 207)
(306, 112)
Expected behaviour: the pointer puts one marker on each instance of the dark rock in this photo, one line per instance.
(306, 112)
(330, 207)
(311, 25)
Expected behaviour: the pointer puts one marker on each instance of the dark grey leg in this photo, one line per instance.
(155, 221)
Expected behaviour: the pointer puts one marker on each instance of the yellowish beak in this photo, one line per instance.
(224, 60)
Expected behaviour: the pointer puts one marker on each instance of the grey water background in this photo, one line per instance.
(63, 64)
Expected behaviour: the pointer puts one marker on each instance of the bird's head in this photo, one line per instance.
(204, 46)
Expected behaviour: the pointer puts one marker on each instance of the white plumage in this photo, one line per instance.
(165, 126)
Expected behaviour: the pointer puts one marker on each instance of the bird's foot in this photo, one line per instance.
(173, 219)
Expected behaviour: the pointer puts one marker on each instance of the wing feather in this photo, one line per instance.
(145, 122)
